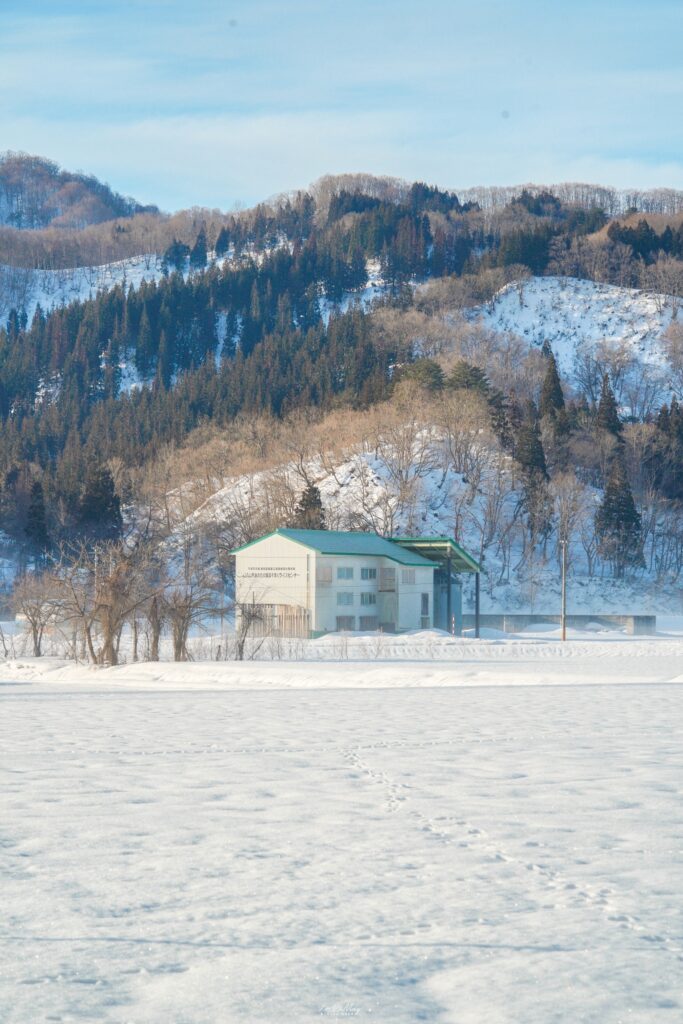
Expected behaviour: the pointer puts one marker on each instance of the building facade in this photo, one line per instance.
(309, 582)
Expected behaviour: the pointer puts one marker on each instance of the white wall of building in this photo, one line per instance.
(414, 583)
(340, 591)
(356, 598)
(274, 571)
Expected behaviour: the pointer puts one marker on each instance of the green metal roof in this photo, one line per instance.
(438, 549)
(338, 542)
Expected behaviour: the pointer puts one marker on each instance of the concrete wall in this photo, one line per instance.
(635, 625)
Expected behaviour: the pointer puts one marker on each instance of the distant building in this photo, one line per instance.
(310, 582)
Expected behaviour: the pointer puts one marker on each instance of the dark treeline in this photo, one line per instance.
(645, 242)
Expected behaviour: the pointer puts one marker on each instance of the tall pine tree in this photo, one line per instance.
(608, 414)
(309, 514)
(529, 446)
(99, 512)
(199, 251)
(554, 414)
(618, 524)
(552, 398)
(36, 519)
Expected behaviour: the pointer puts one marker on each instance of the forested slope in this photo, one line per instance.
(253, 315)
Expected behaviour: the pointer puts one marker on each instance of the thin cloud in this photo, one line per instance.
(229, 99)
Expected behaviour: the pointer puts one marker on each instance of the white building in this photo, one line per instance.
(308, 582)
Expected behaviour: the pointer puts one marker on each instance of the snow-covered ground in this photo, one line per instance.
(375, 660)
(26, 289)
(568, 312)
(210, 851)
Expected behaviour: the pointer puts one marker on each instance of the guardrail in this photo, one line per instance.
(634, 625)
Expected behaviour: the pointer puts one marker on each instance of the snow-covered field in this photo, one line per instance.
(281, 842)
(374, 660)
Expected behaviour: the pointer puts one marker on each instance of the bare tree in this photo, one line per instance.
(248, 619)
(99, 588)
(36, 598)
(191, 594)
(673, 346)
(665, 281)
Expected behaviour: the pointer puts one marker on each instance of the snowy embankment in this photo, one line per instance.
(468, 856)
(568, 313)
(431, 659)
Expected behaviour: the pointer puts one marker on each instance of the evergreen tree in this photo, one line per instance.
(36, 519)
(529, 446)
(99, 512)
(144, 349)
(309, 514)
(608, 414)
(553, 411)
(618, 523)
(199, 251)
(552, 398)
(468, 377)
(175, 256)
(426, 372)
(222, 242)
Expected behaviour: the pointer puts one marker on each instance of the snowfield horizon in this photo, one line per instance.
(429, 658)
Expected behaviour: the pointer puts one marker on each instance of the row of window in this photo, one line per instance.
(346, 597)
(346, 572)
(346, 623)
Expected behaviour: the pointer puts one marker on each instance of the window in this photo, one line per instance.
(425, 604)
(369, 598)
(387, 580)
(407, 576)
(368, 622)
(345, 597)
(323, 574)
(368, 574)
(344, 572)
(345, 623)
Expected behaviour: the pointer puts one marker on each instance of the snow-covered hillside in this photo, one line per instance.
(25, 289)
(390, 489)
(569, 313)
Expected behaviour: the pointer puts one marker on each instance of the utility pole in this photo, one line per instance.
(563, 547)
(477, 606)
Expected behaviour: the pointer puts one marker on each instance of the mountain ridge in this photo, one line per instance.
(36, 192)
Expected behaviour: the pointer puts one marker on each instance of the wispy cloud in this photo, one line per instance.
(235, 99)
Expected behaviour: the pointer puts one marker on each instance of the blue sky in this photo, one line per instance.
(224, 102)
